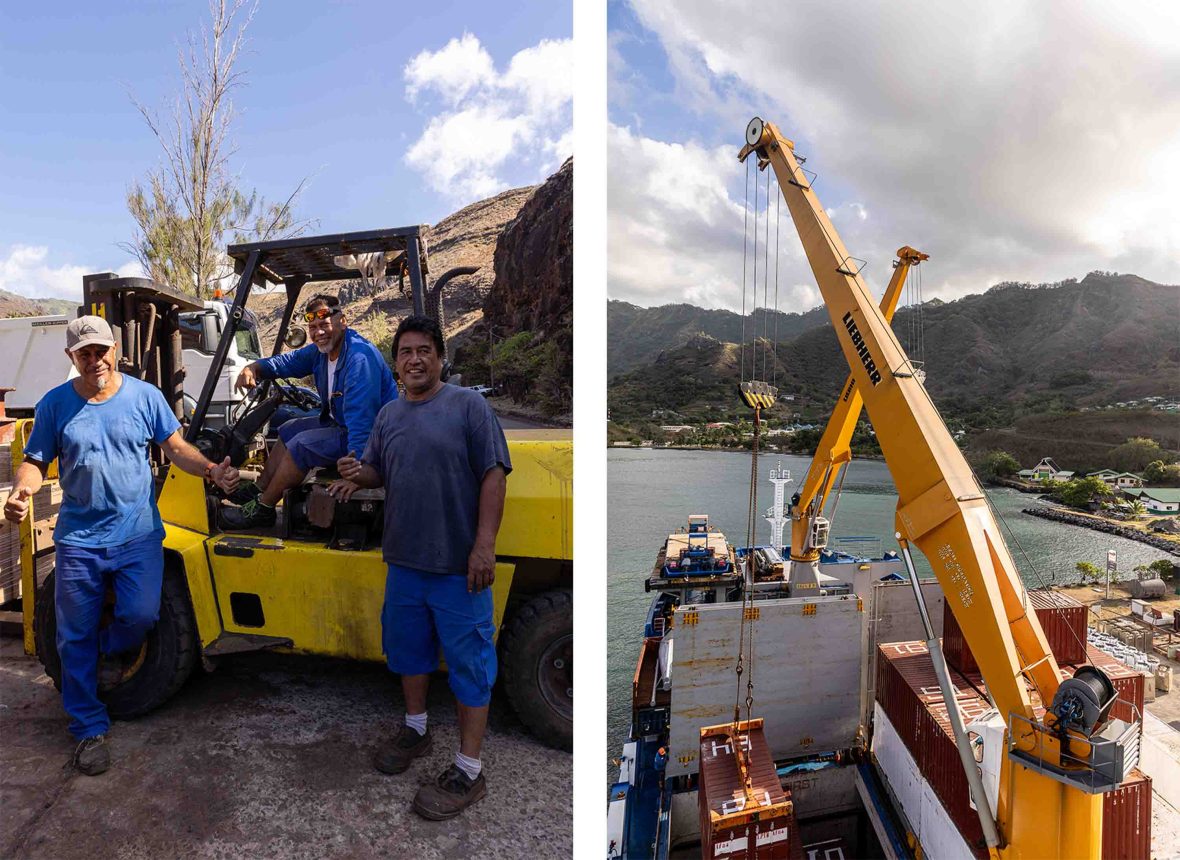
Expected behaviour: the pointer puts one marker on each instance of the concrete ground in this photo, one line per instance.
(268, 756)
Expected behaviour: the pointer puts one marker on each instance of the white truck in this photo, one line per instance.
(34, 361)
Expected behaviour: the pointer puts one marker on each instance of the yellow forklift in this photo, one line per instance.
(315, 584)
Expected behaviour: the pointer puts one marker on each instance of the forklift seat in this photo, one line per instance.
(325, 475)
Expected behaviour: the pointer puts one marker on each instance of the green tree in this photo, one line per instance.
(1157, 473)
(1162, 568)
(1089, 572)
(998, 464)
(185, 209)
(1135, 454)
(1081, 491)
(1138, 509)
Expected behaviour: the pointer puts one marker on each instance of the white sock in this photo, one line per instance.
(417, 722)
(469, 766)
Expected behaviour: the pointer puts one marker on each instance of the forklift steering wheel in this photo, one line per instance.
(293, 395)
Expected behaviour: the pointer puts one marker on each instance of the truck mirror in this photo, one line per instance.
(296, 337)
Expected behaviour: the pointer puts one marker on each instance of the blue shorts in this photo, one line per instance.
(312, 442)
(425, 610)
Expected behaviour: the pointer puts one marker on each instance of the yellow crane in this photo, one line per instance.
(809, 529)
(1053, 773)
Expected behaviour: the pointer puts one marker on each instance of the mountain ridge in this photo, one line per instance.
(1105, 338)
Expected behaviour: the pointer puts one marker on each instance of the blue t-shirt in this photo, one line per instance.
(102, 450)
(432, 456)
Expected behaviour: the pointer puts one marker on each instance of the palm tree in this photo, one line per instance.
(1138, 509)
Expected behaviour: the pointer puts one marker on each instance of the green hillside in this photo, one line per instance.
(991, 358)
(637, 336)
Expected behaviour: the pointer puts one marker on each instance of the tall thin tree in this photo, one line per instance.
(188, 205)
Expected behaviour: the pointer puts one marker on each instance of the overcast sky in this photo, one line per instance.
(398, 115)
(1008, 140)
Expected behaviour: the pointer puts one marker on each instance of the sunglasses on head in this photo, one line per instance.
(320, 314)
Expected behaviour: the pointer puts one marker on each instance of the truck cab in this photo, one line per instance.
(36, 344)
(200, 332)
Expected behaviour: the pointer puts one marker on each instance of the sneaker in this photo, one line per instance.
(247, 491)
(407, 745)
(451, 792)
(93, 755)
(251, 515)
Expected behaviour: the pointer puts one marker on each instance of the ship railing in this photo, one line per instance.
(858, 546)
(1097, 765)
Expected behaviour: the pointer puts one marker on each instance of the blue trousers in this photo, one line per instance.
(135, 570)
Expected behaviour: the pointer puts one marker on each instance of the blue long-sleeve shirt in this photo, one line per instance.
(363, 383)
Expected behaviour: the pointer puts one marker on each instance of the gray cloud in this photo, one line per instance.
(1010, 141)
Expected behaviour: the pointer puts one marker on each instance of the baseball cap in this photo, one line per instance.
(88, 330)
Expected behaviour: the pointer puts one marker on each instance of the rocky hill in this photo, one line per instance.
(1016, 348)
(524, 343)
(638, 335)
(12, 305)
(465, 238)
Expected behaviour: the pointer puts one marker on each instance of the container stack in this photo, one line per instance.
(1062, 618)
(909, 696)
(745, 813)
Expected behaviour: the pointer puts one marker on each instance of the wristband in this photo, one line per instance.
(209, 467)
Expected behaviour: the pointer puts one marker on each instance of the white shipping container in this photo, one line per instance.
(935, 830)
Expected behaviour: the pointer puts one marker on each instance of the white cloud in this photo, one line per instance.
(459, 67)
(494, 128)
(26, 271)
(674, 234)
(1008, 140)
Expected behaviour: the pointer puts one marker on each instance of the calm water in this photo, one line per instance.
(651, 493)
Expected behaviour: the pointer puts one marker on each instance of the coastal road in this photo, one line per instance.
(509, 422)
(268, 756)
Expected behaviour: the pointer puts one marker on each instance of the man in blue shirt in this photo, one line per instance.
(442, 458)
(99, 427)
(353, 381)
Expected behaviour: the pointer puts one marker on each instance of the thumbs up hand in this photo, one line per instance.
(225, 476)
(17, 506)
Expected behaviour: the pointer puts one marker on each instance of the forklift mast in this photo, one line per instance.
(145, 319)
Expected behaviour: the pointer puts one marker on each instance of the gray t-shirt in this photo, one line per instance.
(432, 456)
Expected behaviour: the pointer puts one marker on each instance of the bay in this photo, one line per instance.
(651, 492)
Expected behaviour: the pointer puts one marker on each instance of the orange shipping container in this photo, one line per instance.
(908, 692)
(1062, 618)
(743, 820)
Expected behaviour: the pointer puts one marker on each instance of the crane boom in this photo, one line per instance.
(942, 510)
(834, 448)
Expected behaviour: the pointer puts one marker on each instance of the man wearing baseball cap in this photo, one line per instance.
(99, 427)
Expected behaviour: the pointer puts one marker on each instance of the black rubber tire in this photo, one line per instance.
(172, 649)
(546, 622)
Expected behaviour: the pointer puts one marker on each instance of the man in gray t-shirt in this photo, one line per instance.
(441, 456)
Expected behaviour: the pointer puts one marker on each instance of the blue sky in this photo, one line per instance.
(1010, 141)
(395, 115)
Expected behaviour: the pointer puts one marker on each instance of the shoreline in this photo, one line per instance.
(730, 450)
(1100, 525)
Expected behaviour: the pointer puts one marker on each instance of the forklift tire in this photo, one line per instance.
(171, 649)
(538, 666)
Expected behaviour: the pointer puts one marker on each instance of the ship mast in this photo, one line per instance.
(777, 514)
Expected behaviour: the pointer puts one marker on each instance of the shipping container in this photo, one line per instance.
(909, 695)
(1062, 618)
(745, 813)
